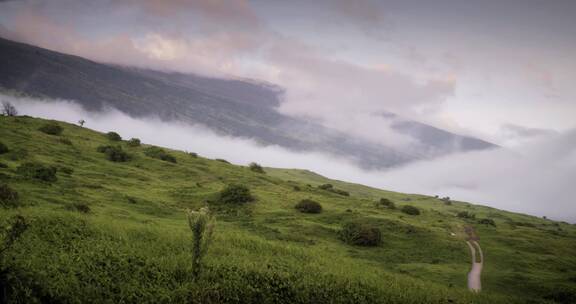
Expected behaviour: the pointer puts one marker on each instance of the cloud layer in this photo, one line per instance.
(534, 178)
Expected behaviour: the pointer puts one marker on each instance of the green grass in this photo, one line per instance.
(134, 244)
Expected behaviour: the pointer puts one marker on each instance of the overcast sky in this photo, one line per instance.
(502, 70)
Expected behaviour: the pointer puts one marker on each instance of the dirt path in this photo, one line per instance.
(474, 282)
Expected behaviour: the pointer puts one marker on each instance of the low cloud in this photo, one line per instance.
(536, 178)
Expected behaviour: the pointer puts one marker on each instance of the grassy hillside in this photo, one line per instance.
(117, 232)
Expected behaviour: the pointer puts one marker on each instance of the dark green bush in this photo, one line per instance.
(360, 234)
(51, 129)
(3, 148)
(33, 170)
(256, 168)
(296, 188)
(3, 165)
(134, 142)
(308, 206)
(384, 202)
(487, 221)
(326, 186)
(113, 136)
(65, 170)
(235, 194)
(411, 210)
(222, 160)
(18, 154)
(466, 215)
(8, 197)
(340, 192)
(80, 207)
(159, 153)
(114, 153)
(193, 154)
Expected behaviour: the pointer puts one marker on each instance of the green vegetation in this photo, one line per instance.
(386, 203)
(202, 225)
(330, 188)
(134, 142)
(256, 168)
(114, 153)
(118, 232)
(8, 197)
(51, 128)
(487, 221)
(360, 234)
(235, 194)
(38, 171)
(3, 148)
(411, 210)
(308, 206)
(113, 136)
(466, 215)
(160, 154)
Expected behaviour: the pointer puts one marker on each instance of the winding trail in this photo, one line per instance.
(474, 281)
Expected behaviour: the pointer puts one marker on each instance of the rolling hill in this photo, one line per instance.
(235, 107)
(88, 229)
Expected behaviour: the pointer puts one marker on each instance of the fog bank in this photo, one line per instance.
(534, 178)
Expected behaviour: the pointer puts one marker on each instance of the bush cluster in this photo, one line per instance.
(193, 154)
(466, 215)
(222, 160)
(360, 234)
(384, 202)
(80, 207)
(256, 168)
(487, 221)
(114, 153)
(18, 154)
(308, 206)
(3, 148)
(134, 142)
(33, 170)
(159, 153)
(235, 194)
(51, 129)
(411, 210)
(8, 196)
(330, 188)
(113, 136)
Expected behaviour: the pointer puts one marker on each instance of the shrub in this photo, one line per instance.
(51, 129)
(3, 148)
(3, 165)
(80, 207)
(114, 153)
(113, 136)
(222, 160)
(487, 221)
(296, 188)
(66, 170)
(8, 196)
(466, 215)
(256, 168)
(160, 154)
(360, 234)
(384, 202)
(8, 109)
(193, 154)
(308, 206)
(235, 194)
(18, 154)
(326, 186)
(134, 142)
(201, 224)
(340, 192)
(38, 171)
(15, 230)
(411, 210)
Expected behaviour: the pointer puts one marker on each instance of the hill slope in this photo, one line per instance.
(238, 108)
(117, 232)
